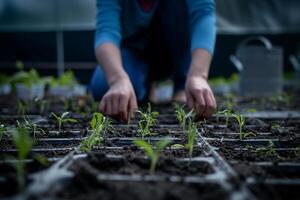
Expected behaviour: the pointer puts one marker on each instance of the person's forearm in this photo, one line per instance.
(109, 57)
(200, 64)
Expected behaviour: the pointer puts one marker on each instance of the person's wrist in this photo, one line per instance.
(117, 77)
(197, 75)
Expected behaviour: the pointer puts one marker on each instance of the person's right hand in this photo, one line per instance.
(120, 100)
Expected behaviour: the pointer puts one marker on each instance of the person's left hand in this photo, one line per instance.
(199, 96)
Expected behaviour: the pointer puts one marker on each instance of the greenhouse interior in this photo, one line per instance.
(150, 99)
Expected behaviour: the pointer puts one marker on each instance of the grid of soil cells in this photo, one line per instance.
(245, 151)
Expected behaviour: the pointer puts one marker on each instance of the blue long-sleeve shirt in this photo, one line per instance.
(121, 19)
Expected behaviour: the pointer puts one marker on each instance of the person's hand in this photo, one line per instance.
(199, 96)
(120, 100)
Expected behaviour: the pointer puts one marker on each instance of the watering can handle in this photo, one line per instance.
(265, 41)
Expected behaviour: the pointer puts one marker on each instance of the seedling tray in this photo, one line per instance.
(222, 165)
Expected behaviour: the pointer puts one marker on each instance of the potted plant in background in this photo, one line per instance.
(28, 84)
(66, 85)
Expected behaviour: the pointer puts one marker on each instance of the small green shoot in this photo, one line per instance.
(152, 152)
(24, 144)
(99, 125)
(251, 110)
(147, 122)
(275, 126)
(23, 107)
(297, 152)
(182, 116)
(30, 126)
(43, 105)
(192, 132)
(218, 115)
(241, 121)
(244, 135)
(62, 119)
(2, 130)
(268, 151)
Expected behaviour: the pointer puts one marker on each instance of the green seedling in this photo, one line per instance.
(99, 126)
(244, 135)
(42, 105)
(24, 144)
(275, 126)
(297, 152)
(192, 132)
(229, 111)
(251, 110)
(2, 131)
(182, 116)
(241, 121)
(23, 107)
(67, 104)
(62, 119)
(147, 122)
(152, 152)
(87, 144)
(218, 115)
(30, 126)
(268, 151)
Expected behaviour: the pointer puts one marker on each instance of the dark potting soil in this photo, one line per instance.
(275, 192)
(243, 143)
(286, 135)
(260, 173)
(8, 144)
(49, 154)
(85, 187)
(8, 176)
(134, 151)
(229, 153)
(156, 131)
(99, 163)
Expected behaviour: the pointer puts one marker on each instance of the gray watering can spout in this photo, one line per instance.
(295, 62)
(236, 62)
(234, 59)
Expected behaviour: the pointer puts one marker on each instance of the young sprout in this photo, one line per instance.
(218, 115)
(297, 152)
(241, 121)
(275, 126)
(182, 116)
(2, 130)
(42, 105)
(24, 144)
(23, 107)
(152, 152)
(268, 151)
(62, 119)
(192, 132)
(30, 126)
(246, 135)
(147, 122)
(99, 125)
(251, 110)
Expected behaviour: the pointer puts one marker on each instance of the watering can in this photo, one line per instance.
(260, 65)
